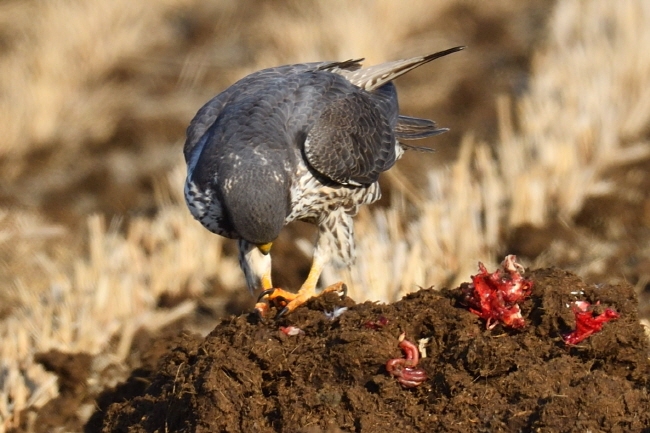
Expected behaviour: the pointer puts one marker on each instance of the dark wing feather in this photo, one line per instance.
(339, 67)
(414, 128)
(351, 141)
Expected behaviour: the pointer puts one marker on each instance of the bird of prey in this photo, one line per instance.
(297, 142)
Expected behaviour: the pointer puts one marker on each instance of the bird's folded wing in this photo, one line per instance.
(351, 141)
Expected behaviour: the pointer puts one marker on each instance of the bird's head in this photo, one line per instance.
(256, 202)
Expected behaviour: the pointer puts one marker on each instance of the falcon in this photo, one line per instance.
(297, 142)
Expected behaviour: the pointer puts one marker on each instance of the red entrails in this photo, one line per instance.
(291, 330)
(495, 297)
(377, 324)
(586, 322)
(404, 368)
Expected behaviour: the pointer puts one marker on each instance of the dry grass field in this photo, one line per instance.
(548, 157)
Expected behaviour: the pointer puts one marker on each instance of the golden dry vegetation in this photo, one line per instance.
(549, 110)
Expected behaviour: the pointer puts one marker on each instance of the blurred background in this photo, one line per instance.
(547, 158)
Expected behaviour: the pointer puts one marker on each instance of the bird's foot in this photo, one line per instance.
(285, 302)
(276, 297)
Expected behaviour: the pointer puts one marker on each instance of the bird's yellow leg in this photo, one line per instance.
(265, 278)
(308, 289)
(290, 301)
(278, 297)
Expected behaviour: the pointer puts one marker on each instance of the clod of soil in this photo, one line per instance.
(248, 376)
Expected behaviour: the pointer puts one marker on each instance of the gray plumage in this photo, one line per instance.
(298, 142)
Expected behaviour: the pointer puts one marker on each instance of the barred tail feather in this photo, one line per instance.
(374, 77)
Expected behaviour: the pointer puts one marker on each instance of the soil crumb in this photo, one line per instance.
(249, 376)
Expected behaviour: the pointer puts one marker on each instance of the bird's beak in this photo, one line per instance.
(265, 248)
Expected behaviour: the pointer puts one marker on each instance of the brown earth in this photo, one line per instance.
(247, 376)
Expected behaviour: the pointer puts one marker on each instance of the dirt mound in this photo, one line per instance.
(249, 376)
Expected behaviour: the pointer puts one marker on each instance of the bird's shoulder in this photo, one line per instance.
(300, 88)
(279, 108)
(277, 103)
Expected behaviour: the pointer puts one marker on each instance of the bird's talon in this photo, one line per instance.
(264, 293)
(274, 297)
(282, 312)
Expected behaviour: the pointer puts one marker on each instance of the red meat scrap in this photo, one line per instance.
(495, 297)
(586, 322)
(291, 330)
(377, 324)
